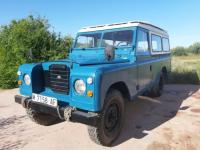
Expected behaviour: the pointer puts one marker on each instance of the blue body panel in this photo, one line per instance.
(92, 63)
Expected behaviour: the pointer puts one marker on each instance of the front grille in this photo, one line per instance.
(58, 78)
(47, 78)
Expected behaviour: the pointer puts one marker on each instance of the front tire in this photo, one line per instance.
(111, 120)
(41, 118)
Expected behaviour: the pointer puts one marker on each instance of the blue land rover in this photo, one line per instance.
(107, 65)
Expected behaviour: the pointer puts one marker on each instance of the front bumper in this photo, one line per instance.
(75, 116)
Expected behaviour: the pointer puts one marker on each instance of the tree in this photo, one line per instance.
(25, 37)
(179, 51)
(195, 48)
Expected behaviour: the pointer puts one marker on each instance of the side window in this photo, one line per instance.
(165, 42)
(142, 42)
(156, 43)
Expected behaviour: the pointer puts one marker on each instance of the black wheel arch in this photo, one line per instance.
(164, 69)
(121, 87)
(164, 73)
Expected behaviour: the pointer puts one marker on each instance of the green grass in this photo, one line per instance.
(185, 69)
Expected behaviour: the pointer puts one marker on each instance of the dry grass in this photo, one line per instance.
(185, 69)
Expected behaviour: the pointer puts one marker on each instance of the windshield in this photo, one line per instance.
(88, 40)
(118, 38)
(122, 38)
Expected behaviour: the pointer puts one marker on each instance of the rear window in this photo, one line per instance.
(156, 43)
(165, 42)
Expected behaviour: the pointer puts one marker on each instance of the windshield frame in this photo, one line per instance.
(102, 32)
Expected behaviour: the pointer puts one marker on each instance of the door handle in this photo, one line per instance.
(150, 67)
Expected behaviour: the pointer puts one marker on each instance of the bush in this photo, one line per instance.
(195, 48)
(25, 38)
(184, 51)
(8, 76)
(184, 76)
(179, 51)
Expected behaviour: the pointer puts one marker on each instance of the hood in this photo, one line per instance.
(85, 62)
(98, 62)
(89, 57)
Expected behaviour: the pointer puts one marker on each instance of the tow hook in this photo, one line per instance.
(68, 113)
(25, 102)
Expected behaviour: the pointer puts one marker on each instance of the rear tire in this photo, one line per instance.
(41, 118)
(157, 88)
(111, 120)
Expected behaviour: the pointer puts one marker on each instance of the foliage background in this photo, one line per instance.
(186, 65)
(30, 40)
(194, 49)
(26, 41)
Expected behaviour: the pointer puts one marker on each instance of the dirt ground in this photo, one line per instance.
(169, 122)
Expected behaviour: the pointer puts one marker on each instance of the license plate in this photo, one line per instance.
(45, 100)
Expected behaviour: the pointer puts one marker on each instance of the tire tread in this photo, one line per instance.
(95, 132)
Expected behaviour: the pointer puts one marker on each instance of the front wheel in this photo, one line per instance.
(111, 120)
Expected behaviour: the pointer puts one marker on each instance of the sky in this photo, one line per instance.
(181, 18)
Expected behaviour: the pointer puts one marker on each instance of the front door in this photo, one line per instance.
(143, 57)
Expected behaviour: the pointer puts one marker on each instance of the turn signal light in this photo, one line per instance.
(89, 93)
(19, 82)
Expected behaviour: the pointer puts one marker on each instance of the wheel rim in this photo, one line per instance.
(112, 119)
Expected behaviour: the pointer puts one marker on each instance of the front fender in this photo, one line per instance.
(126, 73)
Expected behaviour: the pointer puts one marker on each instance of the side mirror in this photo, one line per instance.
(109, 52)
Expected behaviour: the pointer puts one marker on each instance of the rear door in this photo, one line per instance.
(143, 59)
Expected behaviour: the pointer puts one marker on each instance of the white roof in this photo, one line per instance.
(124, 25)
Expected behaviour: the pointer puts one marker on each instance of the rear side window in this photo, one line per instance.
(156, 43)
(142, 42)
(165, 42)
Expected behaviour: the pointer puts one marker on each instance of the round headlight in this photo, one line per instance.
(89, 80)
(27, 79)
(80, 86)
